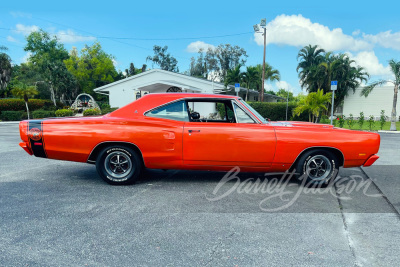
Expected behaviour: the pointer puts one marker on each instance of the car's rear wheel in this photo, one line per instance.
(319, 167)
(119, 165)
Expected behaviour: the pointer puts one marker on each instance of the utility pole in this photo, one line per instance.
(256, 27)
(263, 73)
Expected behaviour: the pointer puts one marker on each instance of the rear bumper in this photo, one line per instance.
(25, 146)
(370, 160)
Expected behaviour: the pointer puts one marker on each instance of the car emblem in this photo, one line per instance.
(35, 134)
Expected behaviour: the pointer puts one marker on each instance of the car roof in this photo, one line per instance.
(150, 101)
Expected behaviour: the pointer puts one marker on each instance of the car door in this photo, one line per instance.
(243, 142)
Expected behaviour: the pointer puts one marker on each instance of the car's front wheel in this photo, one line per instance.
(318, 167)
(119, 165)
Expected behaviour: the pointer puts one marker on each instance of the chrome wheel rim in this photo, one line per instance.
(118, 164)
(318, 167)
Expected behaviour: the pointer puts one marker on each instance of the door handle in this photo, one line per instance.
(193, 131)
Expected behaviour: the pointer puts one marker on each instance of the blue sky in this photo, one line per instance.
(369, 32)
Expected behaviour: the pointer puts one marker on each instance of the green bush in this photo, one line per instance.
(64, 113)
(91, 112)
(13, 115)
(107, 110)
(12, 104)
(277, 111)
(40, 114)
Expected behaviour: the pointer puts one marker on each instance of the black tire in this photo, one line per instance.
(319, 167)
(119, 165)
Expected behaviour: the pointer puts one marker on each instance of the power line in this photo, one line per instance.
(139, 39)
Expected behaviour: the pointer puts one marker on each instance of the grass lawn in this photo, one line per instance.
(375, 127)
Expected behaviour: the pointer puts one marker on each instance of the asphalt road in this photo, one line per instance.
(55, 213)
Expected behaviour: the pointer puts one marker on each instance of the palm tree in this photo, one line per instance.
(251, 77)
(395, 68)
(5, 68)
(233, 76)
(271, 74)
(24, 91)
(314, 104)
(310, 57)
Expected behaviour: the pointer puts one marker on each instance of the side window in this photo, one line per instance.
(242, 116)
(211, 111)
(176, 111)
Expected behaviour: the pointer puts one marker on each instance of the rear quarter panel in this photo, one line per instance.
(356, 146)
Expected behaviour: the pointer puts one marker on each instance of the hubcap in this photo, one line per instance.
(318, 167)
(118, 164)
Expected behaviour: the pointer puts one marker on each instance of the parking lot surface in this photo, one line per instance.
(56, 213)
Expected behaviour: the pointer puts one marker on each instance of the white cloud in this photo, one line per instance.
(196, 46)
(12, 39)
(369, 61)
(295, 30)
(70, 36)
(356, 32)
(26, 30)
(386, 39)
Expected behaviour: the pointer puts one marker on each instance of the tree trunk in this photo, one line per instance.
(393, 119)
(247, 94)
(52, 95)
(27, 108)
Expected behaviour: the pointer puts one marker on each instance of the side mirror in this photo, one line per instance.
(195, 115)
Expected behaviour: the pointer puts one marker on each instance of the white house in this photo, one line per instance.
(381, 98)
(127, 90)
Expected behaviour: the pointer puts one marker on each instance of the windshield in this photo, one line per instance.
(253, 111)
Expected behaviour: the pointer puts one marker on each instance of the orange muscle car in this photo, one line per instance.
(197, 132)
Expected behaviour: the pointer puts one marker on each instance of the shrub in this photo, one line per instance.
(382, 119)
(277, 111)
(64, 113)
(12, 104)
(91, 112)
(361, 120)
(13, 115)
(341, 121)
(371, 122)
(107, 110)
(40, 114)
(350, 121)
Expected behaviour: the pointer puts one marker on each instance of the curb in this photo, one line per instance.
(9, 122)
(391, 132)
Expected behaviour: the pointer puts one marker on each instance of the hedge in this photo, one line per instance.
(13, 115)
(64, 113)
(40, 114)
(276, 111)
(91, 112)
(11, 104)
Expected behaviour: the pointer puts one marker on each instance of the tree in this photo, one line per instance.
(310, 57)
(271, 75)
(5, 68)
(92, 68)
(395, 68)
(284, 93)
(314, 104)
(25, 92)
(318, 68)
(164, 59)
(251, 77)
(217, 60)
(133, 71)
(47, 56)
